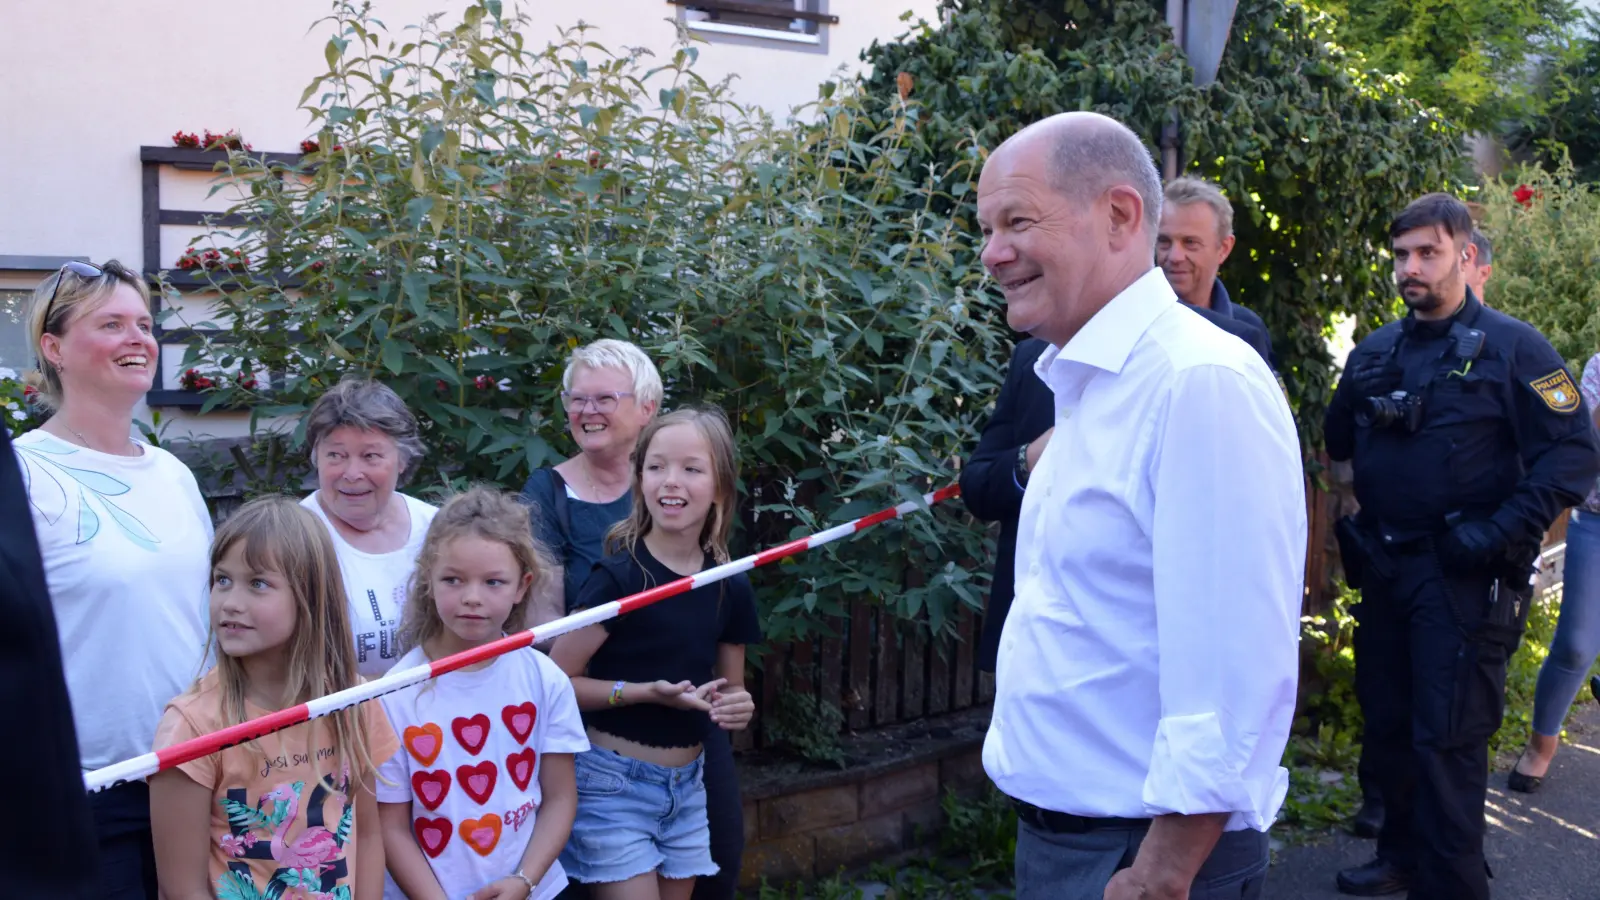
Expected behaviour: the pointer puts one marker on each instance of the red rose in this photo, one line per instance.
(483, 382)
(1523, 195)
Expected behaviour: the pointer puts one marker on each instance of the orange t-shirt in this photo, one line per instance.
(276, 819)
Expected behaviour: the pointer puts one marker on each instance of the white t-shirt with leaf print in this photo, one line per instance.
(126, 542)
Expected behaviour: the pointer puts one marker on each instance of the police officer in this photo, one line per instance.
(1468, 437)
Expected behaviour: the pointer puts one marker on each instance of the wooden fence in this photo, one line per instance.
(878, 670)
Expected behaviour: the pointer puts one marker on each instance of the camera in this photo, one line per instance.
(1398, 409)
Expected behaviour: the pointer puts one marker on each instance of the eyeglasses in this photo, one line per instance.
(81, 269)
(603, 403)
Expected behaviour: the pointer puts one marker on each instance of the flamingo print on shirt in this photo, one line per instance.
(311, 863)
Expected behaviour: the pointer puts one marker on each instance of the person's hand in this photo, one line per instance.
(1129, 884)
(1374, 375)
(732, 710)
(684, 695)
(509, 888)
(1036, 449)
(1472, 545)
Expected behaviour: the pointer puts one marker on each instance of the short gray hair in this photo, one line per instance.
(1188, 189)
(1485, 249)
(607, 353)
(1086, 160)
(366, 405)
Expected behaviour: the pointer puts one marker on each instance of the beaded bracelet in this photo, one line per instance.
(616, 693)
(525, 880)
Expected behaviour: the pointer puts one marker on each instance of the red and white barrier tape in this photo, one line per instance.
(194, 748)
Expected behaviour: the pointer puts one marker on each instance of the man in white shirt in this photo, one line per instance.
(1147, 670)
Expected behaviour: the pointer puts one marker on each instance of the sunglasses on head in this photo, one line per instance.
(81, 269)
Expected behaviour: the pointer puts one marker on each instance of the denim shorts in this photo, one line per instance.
(636, 817)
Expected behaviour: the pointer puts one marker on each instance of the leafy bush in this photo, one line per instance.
(1468, 58)
(1315, 153)
(475, 208)
(1565, 117)
(804, 725)
(1545, 226)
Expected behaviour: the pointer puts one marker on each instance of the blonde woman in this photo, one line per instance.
(124, 536)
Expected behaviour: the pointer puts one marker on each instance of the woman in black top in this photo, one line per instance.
(651, 681)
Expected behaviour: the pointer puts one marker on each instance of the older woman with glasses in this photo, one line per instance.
(610, 391)
(125, 539)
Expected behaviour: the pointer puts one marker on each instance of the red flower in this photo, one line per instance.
(1523, 195)
(309, 145)
(318, 266)
(594, 160)
(337, 147)
(247, 381)
(188, 261)
(483, 382)
(439, 383)
(29, 392)
(186, 140)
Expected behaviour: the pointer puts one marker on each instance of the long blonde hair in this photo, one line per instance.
(279, 534)
(481, 512)
(712, 423)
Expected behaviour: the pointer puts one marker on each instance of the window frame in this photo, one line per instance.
(816, 12)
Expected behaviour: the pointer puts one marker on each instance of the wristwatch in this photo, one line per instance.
(1022, 465)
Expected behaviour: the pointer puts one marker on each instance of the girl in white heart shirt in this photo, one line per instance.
(481, 797)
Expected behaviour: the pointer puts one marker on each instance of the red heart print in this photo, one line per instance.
(424, 743)
(519, 720)
(432, 835)
(477, 781)
(520, 765)
(481, 834)
(430, 787)
(471, 733)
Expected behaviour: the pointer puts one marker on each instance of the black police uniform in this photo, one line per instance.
(1458, 478)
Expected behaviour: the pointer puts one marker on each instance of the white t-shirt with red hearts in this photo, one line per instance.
(469, 765)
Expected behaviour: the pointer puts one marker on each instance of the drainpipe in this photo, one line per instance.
(1170, 139)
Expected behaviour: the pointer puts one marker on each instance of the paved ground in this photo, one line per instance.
(1544, 846)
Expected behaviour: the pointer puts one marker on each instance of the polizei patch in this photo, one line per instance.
(1557, 391)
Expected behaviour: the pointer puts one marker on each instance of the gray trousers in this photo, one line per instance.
(1078, 866)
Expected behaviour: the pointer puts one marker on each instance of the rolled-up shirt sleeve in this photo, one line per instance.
(1228, 551)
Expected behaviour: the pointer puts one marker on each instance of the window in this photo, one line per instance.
(14, 353)
(795, 21)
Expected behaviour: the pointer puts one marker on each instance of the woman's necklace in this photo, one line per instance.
(588, 475)
(84, 440)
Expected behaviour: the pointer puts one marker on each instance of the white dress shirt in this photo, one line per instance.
(1149, 662)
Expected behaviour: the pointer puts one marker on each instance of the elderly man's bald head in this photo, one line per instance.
(1070, 208)
(1088, 153)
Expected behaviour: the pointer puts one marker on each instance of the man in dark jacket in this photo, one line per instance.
(1195, 238)
(1017, 432)
(49, 852)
